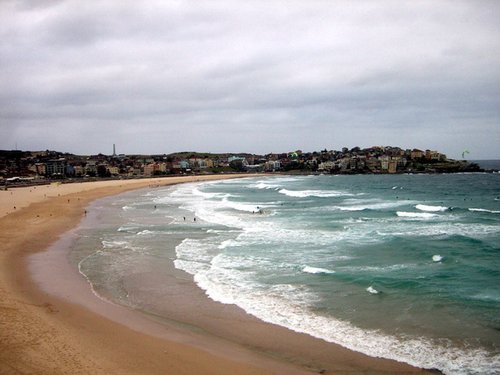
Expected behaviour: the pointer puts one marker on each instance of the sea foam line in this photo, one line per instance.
(80, 271)
(277, 309)
(484, 210)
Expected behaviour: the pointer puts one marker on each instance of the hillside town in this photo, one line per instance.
(19, 166)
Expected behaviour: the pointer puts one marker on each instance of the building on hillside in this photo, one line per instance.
(151, 169)
(41, 169)
(113, 170)
(55, 167)
(69, 171)
(416, 154)
(91, 168)
(434, 156)
(393, 166)
(79, 170)
(272, 166)
(209, 163)
(373, 164)
(163, 168)
(326, 166)
(183, 164)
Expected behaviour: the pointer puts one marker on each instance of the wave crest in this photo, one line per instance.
(314, 193)
(483, 210)
(317, 270)
(416, 215)
(427, 208)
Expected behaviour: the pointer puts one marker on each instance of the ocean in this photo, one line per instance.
(404, 267)
(488, 164)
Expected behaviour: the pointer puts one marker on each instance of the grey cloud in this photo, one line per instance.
(259, 74)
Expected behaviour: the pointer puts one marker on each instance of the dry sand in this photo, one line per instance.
(42, 333)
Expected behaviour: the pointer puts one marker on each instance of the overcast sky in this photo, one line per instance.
(250, 76)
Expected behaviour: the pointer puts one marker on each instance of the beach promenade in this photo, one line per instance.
(46, 334)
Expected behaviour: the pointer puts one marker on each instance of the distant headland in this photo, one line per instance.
(25, 166)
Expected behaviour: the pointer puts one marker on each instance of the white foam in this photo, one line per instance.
(287, 305)
(492, 295)
(145, 232)
(372, 290)
(378, 269)
(197, 191)
(127, 228)
(264, 185)
(427, 208)
(447, 228)
(228, 243)
(193, 256)
(80, 270)
(245, 207)
(229, 279)
(317, 270)
(484, 210)
(314, 193)
(112, 244)
(416, 215)
(437, 258)
(370, 206)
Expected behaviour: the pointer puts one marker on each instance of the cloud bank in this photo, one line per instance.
(254, 76)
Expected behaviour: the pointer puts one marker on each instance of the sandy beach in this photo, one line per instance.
(52, 323)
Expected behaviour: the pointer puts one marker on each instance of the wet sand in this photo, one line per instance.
(52, 323)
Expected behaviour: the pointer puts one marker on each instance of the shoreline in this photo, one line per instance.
(51, 334)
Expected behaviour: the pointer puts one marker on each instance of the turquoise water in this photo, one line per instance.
(404, 267)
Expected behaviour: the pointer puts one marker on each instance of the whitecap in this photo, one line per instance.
(145, 232)
(317, 270)
(427, 208)
(228, 243)
(126, 228)
(197, 192)
(264, 185)
(370, 206)
(437, 258)
(271, 305)
(484, 210)
(416, 215)
(391, 268)
(245, 207)
(314, 193)
(372, 290)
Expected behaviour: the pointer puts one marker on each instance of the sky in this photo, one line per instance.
(257, 76)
